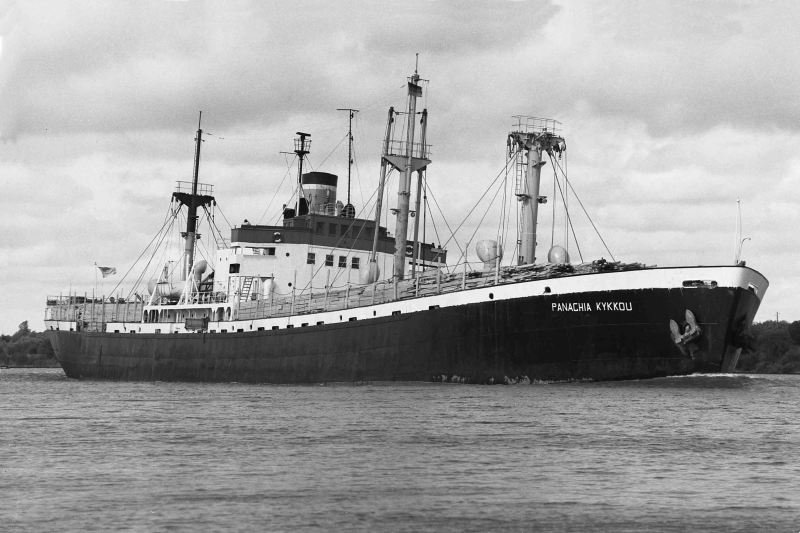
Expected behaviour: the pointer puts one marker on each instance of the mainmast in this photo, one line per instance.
(192, 200)
(532, 138)
(407, 158)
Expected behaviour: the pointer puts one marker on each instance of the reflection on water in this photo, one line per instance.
(709, 452)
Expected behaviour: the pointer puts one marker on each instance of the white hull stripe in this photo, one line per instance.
(653, 278)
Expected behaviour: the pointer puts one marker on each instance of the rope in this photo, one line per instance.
(566, 211)
(485, 192)
(478, 226)
(587, 216)
(275, 194)
(167, 219)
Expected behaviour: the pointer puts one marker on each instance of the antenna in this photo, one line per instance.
(349, 148)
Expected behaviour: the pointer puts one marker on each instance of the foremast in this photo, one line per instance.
(199, 196)
(532, 138)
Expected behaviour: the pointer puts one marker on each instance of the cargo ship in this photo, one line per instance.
(328, 295)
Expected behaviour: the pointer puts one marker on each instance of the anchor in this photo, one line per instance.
(691, 331)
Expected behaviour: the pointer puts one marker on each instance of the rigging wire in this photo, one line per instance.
(577, 197)
(348, 231)
(478, 225)
(230, 226)
(219, 239)
(275, 194)
(472, 209)
(163, 234)
(355, 160)
(555, 199)
(503, 213)
(169, 216)
(566, 204)
(566, 212)
(441, 213)
(333, 150)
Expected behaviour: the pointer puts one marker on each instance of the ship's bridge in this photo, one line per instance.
(311, 250)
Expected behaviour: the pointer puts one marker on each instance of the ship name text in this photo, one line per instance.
(586, 307)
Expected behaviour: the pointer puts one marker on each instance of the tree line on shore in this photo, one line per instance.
(26, 348)
(772, 348)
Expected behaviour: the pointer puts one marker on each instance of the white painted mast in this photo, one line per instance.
(407, 159)
(417, 246)
(533, 138)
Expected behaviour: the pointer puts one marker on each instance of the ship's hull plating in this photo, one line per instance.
(603, 335)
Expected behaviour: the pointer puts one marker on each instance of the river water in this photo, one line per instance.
(697, 453)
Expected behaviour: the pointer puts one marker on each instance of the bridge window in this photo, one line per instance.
(355, 263)
(329, 260)
(234, 268)
(342, 261)
(311, 259)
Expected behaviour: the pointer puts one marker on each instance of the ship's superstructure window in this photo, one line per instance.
(311, 259)
(270, 250)
(332, 229)
(234, 268)
(354, 263)
(329, 260)
(342, 261)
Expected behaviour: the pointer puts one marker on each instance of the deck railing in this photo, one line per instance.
(92, 314)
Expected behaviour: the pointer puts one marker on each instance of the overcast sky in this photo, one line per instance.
(671, 110)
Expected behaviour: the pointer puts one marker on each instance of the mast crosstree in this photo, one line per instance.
(407, 157)
(193, 195)
(532, 138)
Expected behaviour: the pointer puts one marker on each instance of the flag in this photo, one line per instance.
(107, 271)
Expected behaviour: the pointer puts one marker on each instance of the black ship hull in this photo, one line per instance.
(602, 335)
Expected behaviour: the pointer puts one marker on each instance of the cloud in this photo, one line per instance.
(671, 112)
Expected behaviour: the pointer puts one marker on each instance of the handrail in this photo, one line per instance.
(95, 313)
